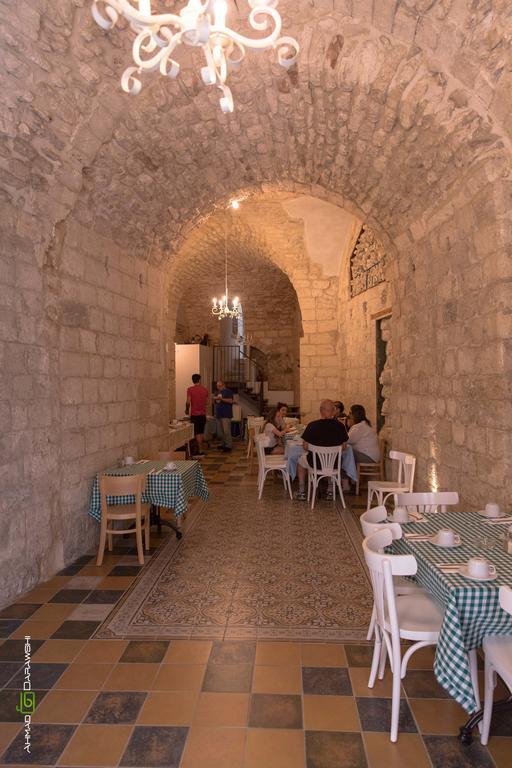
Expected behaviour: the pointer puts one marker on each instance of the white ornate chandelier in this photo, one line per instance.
(200, 24)
(220, 307)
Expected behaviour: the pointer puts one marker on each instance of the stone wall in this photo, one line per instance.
(83, 373)
(451, 340)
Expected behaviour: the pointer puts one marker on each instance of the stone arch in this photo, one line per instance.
(398, 108)
(265, 232)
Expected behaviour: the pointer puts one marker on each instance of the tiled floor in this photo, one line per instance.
(210, 704)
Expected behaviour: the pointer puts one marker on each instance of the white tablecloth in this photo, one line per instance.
(180, 435)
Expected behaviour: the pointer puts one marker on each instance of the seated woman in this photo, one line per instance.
(362, 437)
(341, 416)
(275, 428)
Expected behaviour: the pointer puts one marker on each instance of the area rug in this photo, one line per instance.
(248, 569)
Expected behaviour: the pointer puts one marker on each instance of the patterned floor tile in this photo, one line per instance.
(8, 626)
(144, 651)
(228, 678)
(330, 713)
(116, 708)
(93, 745)
(8, 670)
(155, 746)
(43, 676)
(47, 744)
(326, 681)
(332, 749)
(448, 751)
(269, 710)
(19, 611)
(75, 630)
(375, 715)
(70, 596)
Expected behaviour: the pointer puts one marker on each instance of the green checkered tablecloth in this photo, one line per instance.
(167, 489)
(472, 608)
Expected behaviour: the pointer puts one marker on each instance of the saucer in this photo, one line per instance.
(463, 571)
(491, 517)
(445, 546)
(415, 519)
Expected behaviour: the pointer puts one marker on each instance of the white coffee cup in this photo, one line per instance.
(480, 568)
(170, 465)
(400, 515)
(492, 510)
(447, 538)
(128, 460)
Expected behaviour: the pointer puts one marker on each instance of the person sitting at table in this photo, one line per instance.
(275, 429)
(325, 432)
(362, 437)
(340, 412)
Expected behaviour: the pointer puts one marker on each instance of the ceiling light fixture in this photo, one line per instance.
(200, 24)
(220, 307)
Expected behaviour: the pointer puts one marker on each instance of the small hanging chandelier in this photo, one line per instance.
(200, 24)
(220, 307)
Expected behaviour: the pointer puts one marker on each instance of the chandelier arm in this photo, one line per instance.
(157, 35)
(127, 10)
(251, 42)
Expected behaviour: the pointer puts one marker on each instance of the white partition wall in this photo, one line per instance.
(190, 359)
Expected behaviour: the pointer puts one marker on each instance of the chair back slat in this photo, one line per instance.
(326, 460)
(114, 486)
(427, 503)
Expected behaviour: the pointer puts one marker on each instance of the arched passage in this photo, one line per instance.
(397, 112)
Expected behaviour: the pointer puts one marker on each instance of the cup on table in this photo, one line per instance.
(492, 510)
(400, 515)
(480, 568)
(170, 465)
(128, 460)
(447, 538)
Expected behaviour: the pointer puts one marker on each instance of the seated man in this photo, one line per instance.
(324, 432)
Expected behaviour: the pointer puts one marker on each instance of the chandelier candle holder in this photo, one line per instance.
(200, 24)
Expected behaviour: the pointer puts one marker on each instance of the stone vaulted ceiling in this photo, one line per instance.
(393, 104)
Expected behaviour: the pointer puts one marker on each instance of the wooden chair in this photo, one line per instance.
(116, 486)
(373, 471)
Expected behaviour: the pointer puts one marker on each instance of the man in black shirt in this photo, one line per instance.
(325, 432)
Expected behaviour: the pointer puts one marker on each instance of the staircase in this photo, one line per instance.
(236, 368)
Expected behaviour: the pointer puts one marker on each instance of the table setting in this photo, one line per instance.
(462, 561)
(168, 484)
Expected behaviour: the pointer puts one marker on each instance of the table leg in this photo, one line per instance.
(156, 519)
(466, 730)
